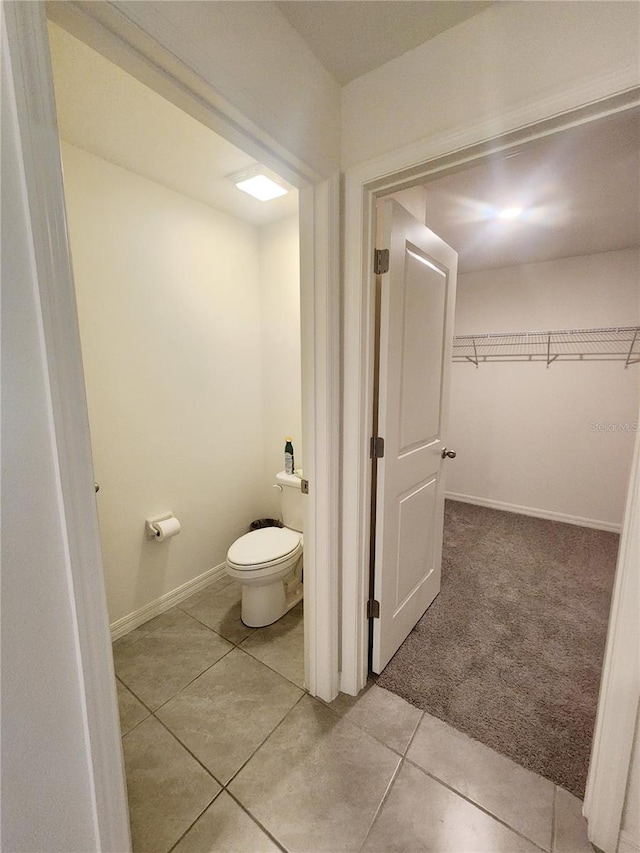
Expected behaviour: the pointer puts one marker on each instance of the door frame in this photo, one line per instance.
(320, 325)
(364, 184)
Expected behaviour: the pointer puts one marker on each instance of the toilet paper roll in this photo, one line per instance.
(166, 529)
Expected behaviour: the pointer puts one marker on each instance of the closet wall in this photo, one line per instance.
(555, 441)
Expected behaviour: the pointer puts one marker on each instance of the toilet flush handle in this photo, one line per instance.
(277, 486)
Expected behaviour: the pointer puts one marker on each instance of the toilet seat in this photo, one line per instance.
(265, 548)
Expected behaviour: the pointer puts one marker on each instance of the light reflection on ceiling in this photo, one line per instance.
(579, 192)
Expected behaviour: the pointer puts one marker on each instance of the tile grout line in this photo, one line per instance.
(257, 822)
(184, 686)
(553, 818)
(195, 757)
(204, 625)
(225, 786)
(195, 619)
(415, 732)
(218, 634)
(262, 742)
(339, 718)
(206, 669)
(138, 699)
(193, 823)
(476, 805)
(295, 684)
(363, 729)
(139, 723)
(195, 678)
(207, 588)
(462, 796)
(383, 800)
(141, 701)
(387, 792)
(253, 632)
(240, 648)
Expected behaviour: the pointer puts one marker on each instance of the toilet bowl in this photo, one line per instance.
(268, 562)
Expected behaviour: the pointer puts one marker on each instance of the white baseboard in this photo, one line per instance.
(628, 844)
(122, 626)
(536, 513)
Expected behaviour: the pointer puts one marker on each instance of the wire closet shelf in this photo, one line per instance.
(614, 343)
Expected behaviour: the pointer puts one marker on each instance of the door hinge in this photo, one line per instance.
(381, 261)
(373, 609)
(376, 450)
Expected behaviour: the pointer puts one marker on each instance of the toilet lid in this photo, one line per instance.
(263, 546)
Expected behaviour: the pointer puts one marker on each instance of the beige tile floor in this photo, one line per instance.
(224, 751)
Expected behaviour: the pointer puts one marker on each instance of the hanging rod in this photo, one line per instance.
(610, 343)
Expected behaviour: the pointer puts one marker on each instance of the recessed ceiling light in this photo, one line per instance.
(256, 183)
(510, 213)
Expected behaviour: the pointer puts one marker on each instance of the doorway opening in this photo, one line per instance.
(557, 447)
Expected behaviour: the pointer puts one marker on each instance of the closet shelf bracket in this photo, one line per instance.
(630, 359)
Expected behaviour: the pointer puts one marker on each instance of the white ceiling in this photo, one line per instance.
(105, 111)
(351, 37)
(579, 190)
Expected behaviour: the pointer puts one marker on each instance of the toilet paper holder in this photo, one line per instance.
(151, 526)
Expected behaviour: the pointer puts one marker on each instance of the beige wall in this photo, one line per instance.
(523, 431)
(281, 361)
(506, 58)
(170, 302)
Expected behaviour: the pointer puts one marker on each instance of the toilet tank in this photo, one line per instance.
(290, 500)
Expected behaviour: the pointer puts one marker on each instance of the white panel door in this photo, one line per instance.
(417, 298)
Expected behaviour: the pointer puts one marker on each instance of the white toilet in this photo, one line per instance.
(268, 562)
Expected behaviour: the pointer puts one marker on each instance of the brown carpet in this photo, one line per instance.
(511, 650)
